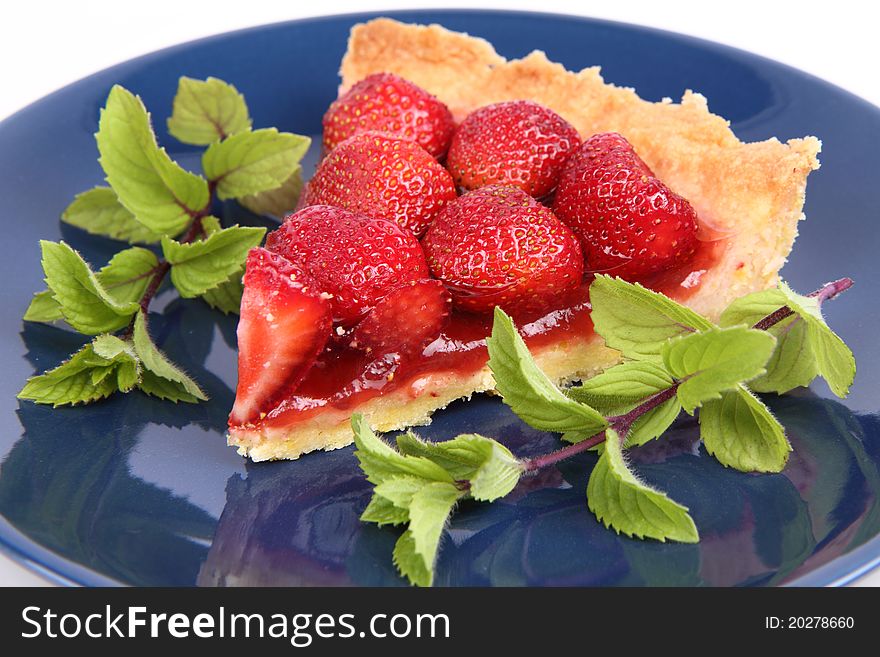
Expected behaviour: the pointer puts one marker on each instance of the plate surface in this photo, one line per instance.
(138, 491)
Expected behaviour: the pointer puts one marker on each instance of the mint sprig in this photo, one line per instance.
(153, 200)
(674, 359)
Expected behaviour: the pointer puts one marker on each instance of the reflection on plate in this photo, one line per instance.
(141, 491)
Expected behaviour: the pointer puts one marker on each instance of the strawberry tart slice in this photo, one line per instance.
(455, 181)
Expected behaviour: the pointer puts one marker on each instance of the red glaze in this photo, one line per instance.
(384, 102)
(497, 246)
(630, 224)
(344, 378)
(385, 177)
(356, 258)
(517, 143)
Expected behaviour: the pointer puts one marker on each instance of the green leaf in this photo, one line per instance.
(96, 371)
(226, 297)
(152, 187)
(715, 360)
(207, 110)
(124, 278)
(793, 363)
(168, 382)
(127, 275)
(528, 391)
(638, 321)
(279, 201)
(43, 308)
(620, 388)
(197, 267)
(99, 212)
(834, 359)
(629, 506)
(486, 464)
(381, 511)
(380, 461)
(399, 490)
(85, 303)
(410, 564)
(803, 350)
(253, 162)
(739, 430)
(428, 512)
(654, 423)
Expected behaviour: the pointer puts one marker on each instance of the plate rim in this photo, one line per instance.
(44, 562)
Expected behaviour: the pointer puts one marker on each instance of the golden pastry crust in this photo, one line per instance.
(750, 196)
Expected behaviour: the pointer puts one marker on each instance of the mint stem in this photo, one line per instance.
(161, 270)
(623, 423)
(824, 293)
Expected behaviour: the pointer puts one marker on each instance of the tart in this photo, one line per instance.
(748, 199)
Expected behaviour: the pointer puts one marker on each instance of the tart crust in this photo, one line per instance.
(749, 195)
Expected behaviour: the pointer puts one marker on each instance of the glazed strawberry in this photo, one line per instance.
(384, 102)
(516, 143)
(498, 246)
(356, 258)
(285, 323)
(630, 224)
(385, 177)
(406, 320)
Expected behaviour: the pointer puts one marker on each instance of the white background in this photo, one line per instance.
(45, 45)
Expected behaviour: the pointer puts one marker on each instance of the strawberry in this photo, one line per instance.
(285, 323)
(630, 224)
(385, 177)
(384, 102)
(498, 246)
(356, 258)
(406, 320)
(516, 143)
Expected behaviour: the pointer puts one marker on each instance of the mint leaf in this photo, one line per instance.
(715, 360)
(654, 423)
(638, 321)
(528, 391)
(124, 278)
(834, 359)
(207, 110)
(85, 303)
(43, 308)
(806, 346)
(380, 461)
(253, 162)
(152, 187)
(226, 297)
(165, 380)
(411, 564)
(399, 490)
(197, 267)
(739, 430)
(428, 512)
(793, 363)
(99, 212)
(486, 464)
(381, 511)
(279, 201)
(629, 506)
(96, 371)
(620, 388)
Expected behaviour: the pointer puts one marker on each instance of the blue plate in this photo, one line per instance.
(138, 491)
